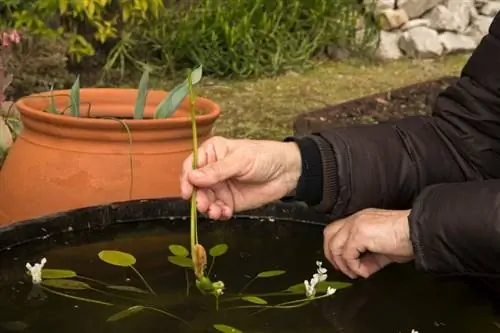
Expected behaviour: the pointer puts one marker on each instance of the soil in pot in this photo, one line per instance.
(151, 292)
(413, 100)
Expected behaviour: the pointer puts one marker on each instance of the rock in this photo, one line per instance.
(379, 5)
(392, 18)
(388, 48)
(442, 19)
(416, 23)
(415, 8)
(454, 43)
(421, 42)
(479, 27)
(336, 53)
(490, 8)
(463, 11)
(5, 136)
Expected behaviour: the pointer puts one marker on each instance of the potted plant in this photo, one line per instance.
(89, 146)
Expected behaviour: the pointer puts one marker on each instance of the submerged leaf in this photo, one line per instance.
(178, 250)
(218, 250)
(268, 274)
(141, 95)
(170, 104)
(196, 75)
(48, 273)
(117, 258)
(66, 284)
(75, 98)
(129, 288)
(15, 326)
(320, 287)
(254, 299)
(125, 313)
(181, 261)
(226, 329)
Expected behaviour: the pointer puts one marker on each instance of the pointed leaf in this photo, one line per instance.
(66, 284)
(125, 313)
(170, 104)
(15, 326)
(196, 75)
(141, 95)
(268, 274)
(226, 329)
(128, 288)
(75, 98)
(181, 261)
(57, 274)
(52, 105)
(117, 258)
(254, 299)
(218, 250)
(321, 287)
(178, 250)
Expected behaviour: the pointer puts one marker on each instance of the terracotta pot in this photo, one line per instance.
(60, 162)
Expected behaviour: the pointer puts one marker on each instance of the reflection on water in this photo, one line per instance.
(395, 300)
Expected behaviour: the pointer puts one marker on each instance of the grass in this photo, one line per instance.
(266, 108)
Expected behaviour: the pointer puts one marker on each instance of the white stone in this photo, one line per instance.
(443, 19)
(415, 8)
(388, 48)
(479, 27)
(421, 42)
(379, 5)
(454, 43)
(463, 11)
(416, 23)
(491, 8)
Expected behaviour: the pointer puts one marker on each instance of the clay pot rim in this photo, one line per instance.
(210, 112)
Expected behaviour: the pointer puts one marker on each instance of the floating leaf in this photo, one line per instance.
(16, 326)
(125, 313)
(196, 75)
(141, 95)
(226, 329)
(178, 250)
(218, 250)
(268, 274)
(128, 288)
(254, 299)
(66, 284)
(168, 106)
(75, 98)
(117, 258)
(320, 287)
(181, 261)
(57, 274)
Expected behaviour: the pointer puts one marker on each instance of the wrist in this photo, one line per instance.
(292, 167)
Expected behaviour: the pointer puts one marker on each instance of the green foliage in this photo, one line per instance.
(218, 250)
(226, 329)
(117, 258)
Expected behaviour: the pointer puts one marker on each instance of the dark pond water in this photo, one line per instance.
(395, 300)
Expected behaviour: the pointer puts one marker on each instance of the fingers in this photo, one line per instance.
(336, 246)
(328, 233)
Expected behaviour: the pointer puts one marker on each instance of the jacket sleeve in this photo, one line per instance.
(388, 165)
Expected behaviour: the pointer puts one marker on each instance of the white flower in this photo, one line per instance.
(36, 271)
(318, 277)
(414, 331)
(219, 288)
(321, 272)
(331, 291)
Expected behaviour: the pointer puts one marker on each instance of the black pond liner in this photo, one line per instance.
(395, 300)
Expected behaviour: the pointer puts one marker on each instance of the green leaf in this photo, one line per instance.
(178, 250)
(125, 313)
(141, 95)
(57, 274)
(196, 75)
(66, 284)
(254, 299)
(128, 288)
(218, 250)
(170, 104)
(117, 258)
(181, 261)
(268, 274)
(75, 98)
(321, 287)
(52, 105)
(16, 326)
(226, 329)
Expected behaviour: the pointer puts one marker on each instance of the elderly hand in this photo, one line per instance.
(235, 175)
(367, 241)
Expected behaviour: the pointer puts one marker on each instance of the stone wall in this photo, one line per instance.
(431, 28)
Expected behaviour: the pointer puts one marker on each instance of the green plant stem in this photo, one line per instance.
(279, 294)
(217, 303)
(168, 314)
(143, 280)
(192, 111)
(248, 284)
(187, 282)
(92, 280)
(113, 295)
(211, 266)
(82, 299)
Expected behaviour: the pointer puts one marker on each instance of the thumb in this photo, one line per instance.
(218, 171)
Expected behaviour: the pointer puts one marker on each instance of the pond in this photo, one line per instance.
(129, 278)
